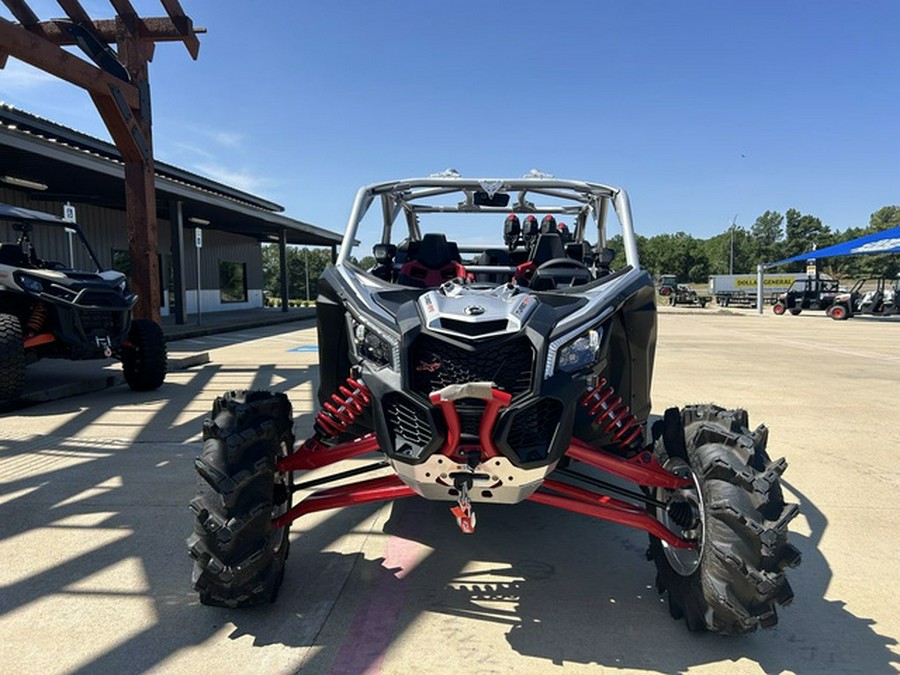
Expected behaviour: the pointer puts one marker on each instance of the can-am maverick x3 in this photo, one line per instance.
(497, 372)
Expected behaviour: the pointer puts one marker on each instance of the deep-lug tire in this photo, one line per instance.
(144, 357)
(778, 309)
(733, 582)
(795, 311)
(238, 553)
(12, 357)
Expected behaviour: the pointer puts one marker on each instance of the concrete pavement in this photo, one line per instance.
(96, 578)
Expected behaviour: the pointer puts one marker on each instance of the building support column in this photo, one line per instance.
(283, 267)
(176, 223)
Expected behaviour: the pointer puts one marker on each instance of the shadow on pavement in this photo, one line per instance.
(561, 588)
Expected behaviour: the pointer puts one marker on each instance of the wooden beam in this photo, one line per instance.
(75, 11)
(36, 51)
(179, 18)
(158, 29)
(120, 127)
(123, 7)
(22, 12)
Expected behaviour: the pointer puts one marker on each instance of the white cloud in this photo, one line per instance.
(18, 75)
(227, 138)
(236, 179)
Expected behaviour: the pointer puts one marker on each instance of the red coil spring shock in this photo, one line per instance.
(341, 411)
(613, 416)
(37, 319)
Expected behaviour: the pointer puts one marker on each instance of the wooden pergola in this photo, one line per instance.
(118, 83)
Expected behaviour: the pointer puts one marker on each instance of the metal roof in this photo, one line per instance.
(80, 168)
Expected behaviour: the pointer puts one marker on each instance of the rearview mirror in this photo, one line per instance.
(484, 199)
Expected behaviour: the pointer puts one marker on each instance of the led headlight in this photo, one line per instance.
(372, 346)
(581, 352)
(30, 283)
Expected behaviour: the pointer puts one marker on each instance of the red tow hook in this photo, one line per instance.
(446, 398)
(465, 515)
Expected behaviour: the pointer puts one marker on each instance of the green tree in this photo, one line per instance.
(766, 234)
(733, 249)
(317, 260)
(884, 218)
(803, 232)
(679, 254)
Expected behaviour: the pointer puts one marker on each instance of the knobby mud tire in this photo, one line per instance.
(239, 555)
(739, 578)
(12, 357)
(144, 358)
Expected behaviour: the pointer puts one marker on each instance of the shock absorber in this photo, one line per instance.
(37, 319)
(613, 416)
(341, 411)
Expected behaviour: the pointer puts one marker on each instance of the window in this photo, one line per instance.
(232, 281)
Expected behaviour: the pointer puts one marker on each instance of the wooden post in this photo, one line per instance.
(140, 184)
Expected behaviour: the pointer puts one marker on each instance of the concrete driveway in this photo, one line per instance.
(94, 574)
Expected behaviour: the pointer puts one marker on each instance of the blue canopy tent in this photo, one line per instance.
(886, 241)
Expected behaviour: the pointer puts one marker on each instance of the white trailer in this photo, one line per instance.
(742, 289)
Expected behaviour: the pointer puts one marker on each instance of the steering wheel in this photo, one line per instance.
(558, 270)
(558, 263)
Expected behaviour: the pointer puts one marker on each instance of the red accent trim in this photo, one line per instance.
(453, 427)
(314, 454)
(374, 490)
(37, 340)
(581, 501)
(432, 277)
(524, 272)
(642, 469)
(499, 399)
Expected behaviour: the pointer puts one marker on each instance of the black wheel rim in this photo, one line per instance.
(684, 561)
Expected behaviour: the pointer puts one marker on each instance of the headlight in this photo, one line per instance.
(581, 352)
(31, 284)
(372, 346)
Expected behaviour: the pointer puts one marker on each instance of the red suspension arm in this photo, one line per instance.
(313, 454)
(642, 469)
(386, 488)
(587, 503)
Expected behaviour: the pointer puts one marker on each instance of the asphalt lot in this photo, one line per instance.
(93, 515)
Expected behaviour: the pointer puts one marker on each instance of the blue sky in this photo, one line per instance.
(703, 111)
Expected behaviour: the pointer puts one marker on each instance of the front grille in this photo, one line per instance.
(531, 429)
(101, 321)
(101, 298)
(470, 412)
(407, 424)
(474, 328)
(435, 364)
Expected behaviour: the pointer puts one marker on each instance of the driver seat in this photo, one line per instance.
(12, 254)
(563, 270)
(430, 262)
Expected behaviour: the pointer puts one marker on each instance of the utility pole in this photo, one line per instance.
(306, 269)
(731, 257)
